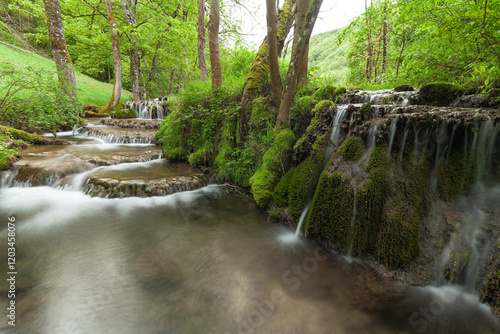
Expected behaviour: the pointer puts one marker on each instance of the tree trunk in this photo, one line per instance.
(202, 63)
(213, 44)
(135, 63)
(302, 7)
(255, 83)
(272, 53)
(384, 36)
(117, 87)
(283, 120)
(369, 47)
(59, 48)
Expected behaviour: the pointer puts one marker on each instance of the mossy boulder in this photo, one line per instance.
(324, 93)
(339, 92)
(281, 192)
(274, 164)
(320, 124)
(305, 178)
(22, 135)
(404, 88)
(439, 93)
(7, 157)
(353, 149)
(124, 113)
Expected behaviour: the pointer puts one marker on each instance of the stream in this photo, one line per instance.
(203, 260)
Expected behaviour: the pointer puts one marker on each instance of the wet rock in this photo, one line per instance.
(404, 88)
(132, 123)
(475, 101)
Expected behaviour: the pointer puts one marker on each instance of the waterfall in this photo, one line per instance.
(394, 125)
(302, 219)
(149, 109)
(339, 119)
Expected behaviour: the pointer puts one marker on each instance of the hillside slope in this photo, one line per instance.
(90, 91)
(324, 53)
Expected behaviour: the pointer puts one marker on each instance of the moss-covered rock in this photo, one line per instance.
(404, 88)
(324, 93)
(281, 192)
(274, 165)
(353, 149)
(339, 91)
(262, 117)
(439, 93)
(305, 178)
(21, 135)
(320, 125)
(124, 113)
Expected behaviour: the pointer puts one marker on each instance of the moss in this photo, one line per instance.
(281, 190)
(331, 211)
(257, 79)
(21, 135)
(339, 91)
(439, 93)
(202, 156)
(454, 176)
(302, 105)
(305, 178)
(124, 113)
(7, 157)
(324, 93)
(353, 149)
(274, 164)
(262, 117)
(365, 112)
(319, 125)
(404, 88)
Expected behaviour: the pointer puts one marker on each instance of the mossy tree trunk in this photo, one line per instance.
(255, 83)
(64, 65)
(202, 63)
(300, 16)
(297, 55)
(213, 44)
(135, 62)
(272, 53)
(117, 87)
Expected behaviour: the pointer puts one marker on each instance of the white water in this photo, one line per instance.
(394, 125)
(145, 109)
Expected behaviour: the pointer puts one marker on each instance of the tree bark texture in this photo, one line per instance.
(64, 65)
(213, 44)
(135, 63)
(255, 83)
(300, 16)
(202, 63)
(283, 120)
(117, 87)
(272, 53)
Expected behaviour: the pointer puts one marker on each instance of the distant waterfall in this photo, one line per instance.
(149, 109)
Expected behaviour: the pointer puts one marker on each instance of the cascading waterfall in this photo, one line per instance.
(392, 133)
(150, 109)
(339, 119)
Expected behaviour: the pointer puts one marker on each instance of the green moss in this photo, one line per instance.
(324, 93)
(281, 189)
(439, 93)
(339, 91)
(274, 164)
(124, 113)
(257, 79)
(262, 117)
(21, 135)
(353, 149)
(7, 157)
(321, 107)
(305, 178)
(302, 106)
(365, 112)
(454, 176)
(331, 211)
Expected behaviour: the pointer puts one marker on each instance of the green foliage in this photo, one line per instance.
(124, 113)
(274, 165)
(324, 93)
(329, 62)
(31, 99)
(353, 149)
(440, 93)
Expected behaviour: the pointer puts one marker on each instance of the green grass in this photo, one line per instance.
(90, 91)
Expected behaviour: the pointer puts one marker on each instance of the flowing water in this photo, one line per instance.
(201, 261)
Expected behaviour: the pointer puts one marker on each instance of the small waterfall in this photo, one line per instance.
(302, 219)
(372, 135)
(394, 125)
(339, 119)
(403, 143)
(112, 139)
(149, 109)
